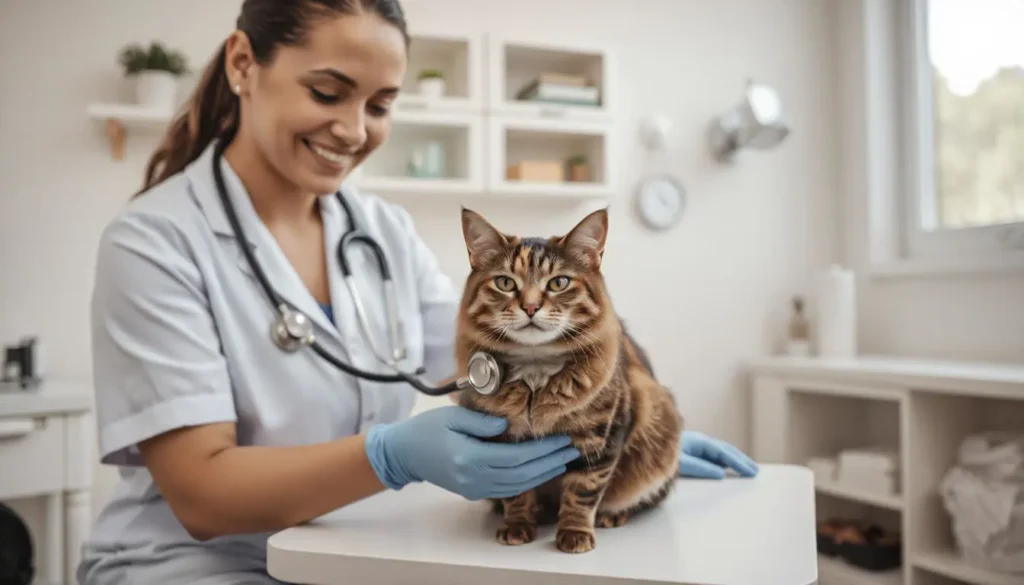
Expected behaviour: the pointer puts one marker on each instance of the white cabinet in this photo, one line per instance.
(46, 457)
(484, 135)
(804, 408)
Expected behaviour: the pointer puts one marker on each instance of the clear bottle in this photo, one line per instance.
(798, 338)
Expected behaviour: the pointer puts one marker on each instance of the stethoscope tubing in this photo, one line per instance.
(354, 235)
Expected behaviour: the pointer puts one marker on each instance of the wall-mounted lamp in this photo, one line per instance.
(757, 121)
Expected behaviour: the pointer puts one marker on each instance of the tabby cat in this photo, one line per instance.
(541, 307)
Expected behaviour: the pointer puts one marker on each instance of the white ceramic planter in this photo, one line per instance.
(432, 87)
(156, 89)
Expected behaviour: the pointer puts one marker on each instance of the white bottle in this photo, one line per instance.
(837, 313)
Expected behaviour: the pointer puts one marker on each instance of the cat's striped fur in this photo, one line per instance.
(571, 369)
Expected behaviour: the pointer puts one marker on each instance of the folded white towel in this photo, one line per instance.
(824, 469)
(880, 458)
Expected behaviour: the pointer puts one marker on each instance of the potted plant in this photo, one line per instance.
(578, 169)
(431, 83)
(156, 71)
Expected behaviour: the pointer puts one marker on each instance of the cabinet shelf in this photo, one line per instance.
(840, 491)
(838, 572)
(949, 564)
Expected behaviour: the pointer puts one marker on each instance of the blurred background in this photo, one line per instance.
(851, 279)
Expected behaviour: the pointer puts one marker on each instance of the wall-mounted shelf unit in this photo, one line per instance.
(922, 410)
(119, 117)
(487, 120)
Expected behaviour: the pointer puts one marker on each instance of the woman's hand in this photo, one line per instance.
(704, 457)
(443, 446)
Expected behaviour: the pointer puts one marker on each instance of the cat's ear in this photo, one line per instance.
(586, 240)
(483, 241)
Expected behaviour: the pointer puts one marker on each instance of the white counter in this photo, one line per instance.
(736, 531)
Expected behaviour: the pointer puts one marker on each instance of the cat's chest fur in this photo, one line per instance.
(533, 370)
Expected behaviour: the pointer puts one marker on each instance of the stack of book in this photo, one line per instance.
(561, 89)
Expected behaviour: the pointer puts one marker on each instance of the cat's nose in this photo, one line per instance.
(530, 309)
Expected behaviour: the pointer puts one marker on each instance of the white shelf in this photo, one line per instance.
(415, 187)
(976, 378)
(840, 491)
(835, 571)
(119, 117)
(949, 564)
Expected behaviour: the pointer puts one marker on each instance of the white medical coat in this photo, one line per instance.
(181, 337)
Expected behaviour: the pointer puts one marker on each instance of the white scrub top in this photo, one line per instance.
(181, 337)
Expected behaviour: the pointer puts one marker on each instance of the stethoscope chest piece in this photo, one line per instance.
(484, 373)
(292, 329)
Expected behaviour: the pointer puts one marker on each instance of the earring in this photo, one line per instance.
(238, 89)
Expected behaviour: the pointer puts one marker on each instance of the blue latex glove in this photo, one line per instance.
(442, 446)
(704, 457)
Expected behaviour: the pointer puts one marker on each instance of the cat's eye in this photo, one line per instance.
(558, 283)
(504, 283)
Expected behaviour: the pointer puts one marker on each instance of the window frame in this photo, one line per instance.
(995, 244)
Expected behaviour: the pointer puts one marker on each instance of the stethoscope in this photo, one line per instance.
(292, 329)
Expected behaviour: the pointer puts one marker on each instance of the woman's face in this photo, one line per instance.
(317, 111)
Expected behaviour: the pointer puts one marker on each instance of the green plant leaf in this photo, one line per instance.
(431, 74)
(134, 58)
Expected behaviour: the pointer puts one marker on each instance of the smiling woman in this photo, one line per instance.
(297, 88)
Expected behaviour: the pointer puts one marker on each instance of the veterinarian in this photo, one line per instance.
(225, 424)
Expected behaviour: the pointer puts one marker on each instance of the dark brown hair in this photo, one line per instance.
(212, 109)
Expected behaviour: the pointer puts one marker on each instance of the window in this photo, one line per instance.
(965, 113)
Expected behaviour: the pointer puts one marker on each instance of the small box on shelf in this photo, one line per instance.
(536, 170)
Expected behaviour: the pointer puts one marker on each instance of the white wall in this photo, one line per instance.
(701, 298)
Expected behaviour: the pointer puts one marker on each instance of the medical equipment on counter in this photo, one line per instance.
(23, 363)
(292, 329)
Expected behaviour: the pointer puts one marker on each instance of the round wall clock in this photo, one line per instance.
(660, 201)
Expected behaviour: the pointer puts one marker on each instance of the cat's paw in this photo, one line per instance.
(611, 519)
(514, 534)
(574, 541)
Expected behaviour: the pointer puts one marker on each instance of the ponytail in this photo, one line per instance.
(211, 111)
